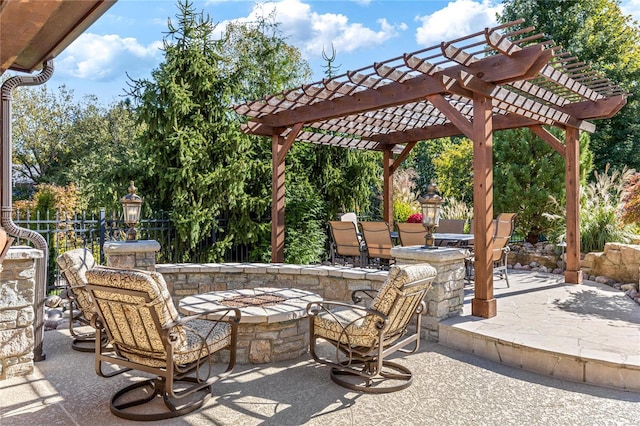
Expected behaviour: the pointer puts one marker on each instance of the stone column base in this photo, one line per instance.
(140, 254)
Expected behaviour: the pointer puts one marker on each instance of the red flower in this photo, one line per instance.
(415, 218)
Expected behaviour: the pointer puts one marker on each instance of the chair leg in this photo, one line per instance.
(392, 377)
(149, 390)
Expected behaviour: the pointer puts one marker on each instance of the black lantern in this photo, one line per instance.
(131, 206)
(430, 204)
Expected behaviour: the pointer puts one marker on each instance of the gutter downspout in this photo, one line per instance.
(6, 220)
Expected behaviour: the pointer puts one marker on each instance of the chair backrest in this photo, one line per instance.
(377, 237)
(400, 295)
(451, 226)
(345, 238)
(349, 217)
(472, 230)
(411, 234)
(136, 309)
(74, 265)
(503, 229)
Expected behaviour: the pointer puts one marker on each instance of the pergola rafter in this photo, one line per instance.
(504, 77)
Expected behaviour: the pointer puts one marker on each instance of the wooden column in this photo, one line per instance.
(387, 191)
(277, 199)
(483, 304)
(573, 274)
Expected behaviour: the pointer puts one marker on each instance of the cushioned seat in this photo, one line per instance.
(365, 335)
(147, 334)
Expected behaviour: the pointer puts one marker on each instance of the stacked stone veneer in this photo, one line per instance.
(330, 282)
(445, 298)
(17, 297)
(140, 254)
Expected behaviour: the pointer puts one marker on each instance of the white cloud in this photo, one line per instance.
(311, 32)
(631, 7)
(104, 57)
(458, 18)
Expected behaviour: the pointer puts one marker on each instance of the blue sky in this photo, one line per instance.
(128, 37)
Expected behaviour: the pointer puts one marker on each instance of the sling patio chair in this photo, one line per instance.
(503, 227)
(345, 243)
(377, 239)
(135, 310)
(361, 336)
(74, 265)
(411, 234)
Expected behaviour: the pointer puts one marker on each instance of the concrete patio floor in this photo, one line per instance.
(451, 387)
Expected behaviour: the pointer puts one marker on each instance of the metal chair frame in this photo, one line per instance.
(169, 373)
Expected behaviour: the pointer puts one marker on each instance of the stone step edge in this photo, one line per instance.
(554, 364)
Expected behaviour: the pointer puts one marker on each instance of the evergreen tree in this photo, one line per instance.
(193, 145)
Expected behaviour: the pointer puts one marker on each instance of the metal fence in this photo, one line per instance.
(91, 230)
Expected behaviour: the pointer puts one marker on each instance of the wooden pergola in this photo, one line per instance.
(504, 77)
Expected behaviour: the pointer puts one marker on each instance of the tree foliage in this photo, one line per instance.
(598, 33)
(193, 146)
(41, 128)
(454, 170)
(528, 175)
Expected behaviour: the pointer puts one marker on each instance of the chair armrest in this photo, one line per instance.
(314, 308)
(225, 318)
(368, 292)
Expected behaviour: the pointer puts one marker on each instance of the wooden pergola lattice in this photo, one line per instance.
(504, 77)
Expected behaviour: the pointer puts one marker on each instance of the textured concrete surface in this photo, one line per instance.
(451, 387)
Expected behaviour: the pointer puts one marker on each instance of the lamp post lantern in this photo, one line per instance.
(131, 206)
(430, 204)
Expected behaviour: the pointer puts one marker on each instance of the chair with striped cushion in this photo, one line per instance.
(135, 310)
(362, 336)
(74, 265)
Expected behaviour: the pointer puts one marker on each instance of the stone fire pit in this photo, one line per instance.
(273, 326)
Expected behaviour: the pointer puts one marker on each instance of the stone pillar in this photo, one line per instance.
(17, 298)
(446, 295)
(140, 254)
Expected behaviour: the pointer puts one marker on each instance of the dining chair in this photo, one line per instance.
(378, 243)
(345, 242)
(503, 227)
(411, 234)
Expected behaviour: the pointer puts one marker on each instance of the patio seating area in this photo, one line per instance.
(538, 312)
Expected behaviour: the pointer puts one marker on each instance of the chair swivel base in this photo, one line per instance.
(154, 389)
(392, 378)
(87, 342)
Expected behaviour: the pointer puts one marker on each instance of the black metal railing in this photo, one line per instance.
(91, 230)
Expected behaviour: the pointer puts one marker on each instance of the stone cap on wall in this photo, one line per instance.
(274, 268)
(139, 246)
(23, 252)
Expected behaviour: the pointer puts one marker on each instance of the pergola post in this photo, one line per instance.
(277, 199)
(387, 191)
(573, 274)
(483, 304)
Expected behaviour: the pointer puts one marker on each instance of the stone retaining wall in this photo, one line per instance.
(17, 297)
(330, 282)
(620, 262)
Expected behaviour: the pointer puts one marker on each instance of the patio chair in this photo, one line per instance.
(346, 243)
(135, 310)
(73, 266)
(451, 226)
(503, 229)
(365, 336)
(411, 234)
(377, 239)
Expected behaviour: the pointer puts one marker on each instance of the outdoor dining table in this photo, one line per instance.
(453, 239)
